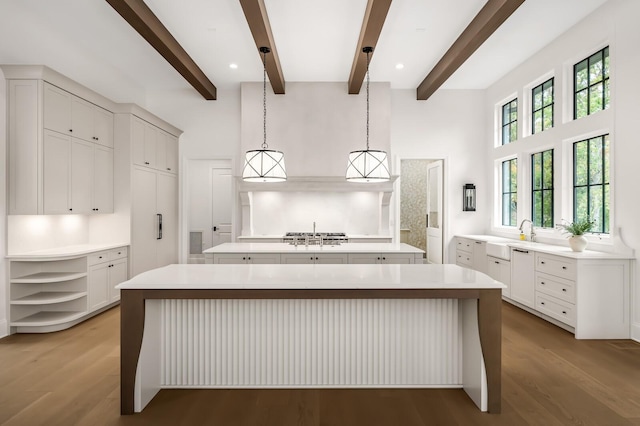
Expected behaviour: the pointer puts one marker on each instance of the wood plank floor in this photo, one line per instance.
(549, 378)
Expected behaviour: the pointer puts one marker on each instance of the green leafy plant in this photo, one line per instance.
(577, 228)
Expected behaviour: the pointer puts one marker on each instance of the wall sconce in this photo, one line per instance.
(469, 197)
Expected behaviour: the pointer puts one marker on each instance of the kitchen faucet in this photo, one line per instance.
(532, 231)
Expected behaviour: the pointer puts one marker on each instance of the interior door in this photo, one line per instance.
(221, 200)
(434, 211)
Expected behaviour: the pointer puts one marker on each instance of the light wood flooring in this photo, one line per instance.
(548, 378)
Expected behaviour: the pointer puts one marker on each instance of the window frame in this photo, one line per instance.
(543, 106)
(511, 193)
(509, 124)
(542, 188)
(605, 81)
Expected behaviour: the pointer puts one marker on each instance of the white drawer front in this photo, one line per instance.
(557, 287)
(463, 258)
(559, 309)
(560, 267)
(464, 245)
(99, 257)
(118, 253)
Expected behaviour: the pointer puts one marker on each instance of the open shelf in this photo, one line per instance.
(49, 297)
(45, 318)
(48, 277)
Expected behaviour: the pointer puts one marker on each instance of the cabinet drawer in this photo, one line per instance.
(464, 245)
(98, 257)
(559, 309)
(118, 253)
(557, 287)
(554, 265)
(463, 258)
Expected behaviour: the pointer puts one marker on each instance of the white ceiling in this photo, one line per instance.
(89, 42)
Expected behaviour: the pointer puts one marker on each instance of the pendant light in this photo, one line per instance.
(368, 165)
(264, 165)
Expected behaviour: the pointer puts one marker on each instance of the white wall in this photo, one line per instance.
(615, 25)
(449, 125)
(4, 287)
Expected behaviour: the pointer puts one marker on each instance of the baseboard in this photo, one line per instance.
(4, 328)
(635, 332)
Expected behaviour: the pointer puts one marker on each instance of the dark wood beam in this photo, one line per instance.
(147, 24)
(256, 14)
(374, 18)
(492, 15)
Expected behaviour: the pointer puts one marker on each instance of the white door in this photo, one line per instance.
(434, 212)
(144, 232)
(220, 206)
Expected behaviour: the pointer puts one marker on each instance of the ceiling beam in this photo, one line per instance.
(147, 24)
(374, 18)
(256, 15)
(490, 17)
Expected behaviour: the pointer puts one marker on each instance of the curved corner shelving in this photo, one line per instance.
(47, 318)
(49, 297)
(48, 277)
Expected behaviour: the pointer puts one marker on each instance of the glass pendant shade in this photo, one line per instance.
(264, 165)
(367, 166)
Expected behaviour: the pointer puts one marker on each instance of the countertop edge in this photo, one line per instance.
(65, 252)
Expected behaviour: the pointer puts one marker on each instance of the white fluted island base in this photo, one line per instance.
(293, 342)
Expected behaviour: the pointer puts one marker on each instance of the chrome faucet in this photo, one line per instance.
(532, 231)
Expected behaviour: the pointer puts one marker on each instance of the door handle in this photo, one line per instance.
(215, 228)
(159, 237)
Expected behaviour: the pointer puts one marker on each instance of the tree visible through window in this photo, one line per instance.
(591, 84)
(542, 189)
(510, 122)
(591, 191)
(509, 192)
(542, 107)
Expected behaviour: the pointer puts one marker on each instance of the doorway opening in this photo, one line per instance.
(421, 206)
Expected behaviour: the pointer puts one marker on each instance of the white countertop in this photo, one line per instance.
(280, 236)
(311, 277)
(290, 248)
(547, 248)
(64, 252)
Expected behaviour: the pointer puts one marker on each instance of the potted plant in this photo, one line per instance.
(576, 231)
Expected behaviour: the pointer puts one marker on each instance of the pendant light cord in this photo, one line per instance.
(264, 97)
(368, 52)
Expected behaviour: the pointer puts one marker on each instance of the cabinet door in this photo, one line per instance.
(144, 221)
(57, 109)
(401, 258)
(172, 154)
(230, 258)
(263, 258)
(161, 150)
(297, 258)
(117, 275)
(102, 179)
(167, 207)
(500, 270)
(82, 119)
(137, 140)
(364, 258)
(81, 176)
(480, 256)
(103, 126)
(56, 173)
(98, 286)
(150, 140)
(523, 277)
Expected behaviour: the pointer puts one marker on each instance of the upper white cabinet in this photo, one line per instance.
(60, 146)
(153, 147)
(72, 115)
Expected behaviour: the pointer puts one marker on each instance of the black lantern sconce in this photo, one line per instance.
(469, 197)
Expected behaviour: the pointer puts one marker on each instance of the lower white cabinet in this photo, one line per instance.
(522, 276)
(381, 258)
(244, 258)
(500, 270)
(314, 258)
(56, 293)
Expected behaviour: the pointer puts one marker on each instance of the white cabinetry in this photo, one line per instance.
(154, 148)
(480, 256)
(373, 258)
(106, 270)
(522, 276)
(500, 270)
(314, 258)
(244, 258)
(59, 147)
(464, 252)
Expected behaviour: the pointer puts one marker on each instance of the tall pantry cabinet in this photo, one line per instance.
(150, 159)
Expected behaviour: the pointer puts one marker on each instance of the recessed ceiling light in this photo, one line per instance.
(399, 66)
(233, 66)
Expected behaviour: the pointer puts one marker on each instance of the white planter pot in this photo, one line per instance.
(577, 242)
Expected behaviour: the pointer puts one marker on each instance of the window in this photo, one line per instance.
(509, 192)
(510, 122)
(542, 189)
(591, 84)
(591, 182)
(542, 107)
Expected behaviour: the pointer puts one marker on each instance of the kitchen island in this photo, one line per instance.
(353, 253)
(297, 326)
